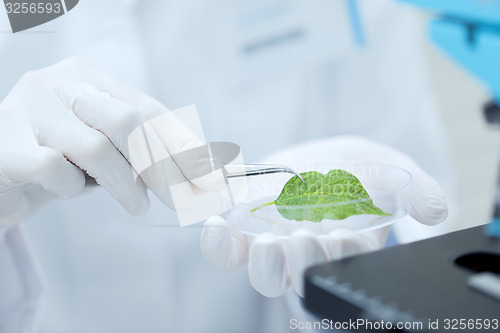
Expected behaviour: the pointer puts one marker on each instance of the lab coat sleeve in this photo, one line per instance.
(21, 286)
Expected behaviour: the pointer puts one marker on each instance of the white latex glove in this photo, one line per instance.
(274, 264)
(68, 120)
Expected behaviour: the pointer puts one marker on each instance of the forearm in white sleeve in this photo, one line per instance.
(21, 286)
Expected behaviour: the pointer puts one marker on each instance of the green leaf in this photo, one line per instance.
(336, 195)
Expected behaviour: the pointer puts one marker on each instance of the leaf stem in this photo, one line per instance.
(262, 206)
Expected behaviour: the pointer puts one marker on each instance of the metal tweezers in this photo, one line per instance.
(235, 170)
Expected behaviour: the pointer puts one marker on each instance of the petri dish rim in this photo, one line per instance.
(371, 225)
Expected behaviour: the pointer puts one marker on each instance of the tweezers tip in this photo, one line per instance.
(300, 177)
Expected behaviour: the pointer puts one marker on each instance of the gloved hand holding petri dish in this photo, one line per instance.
(285, 226)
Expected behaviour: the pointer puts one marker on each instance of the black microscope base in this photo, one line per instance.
(424, 282)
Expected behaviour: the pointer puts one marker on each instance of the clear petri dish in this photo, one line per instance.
(387, 186)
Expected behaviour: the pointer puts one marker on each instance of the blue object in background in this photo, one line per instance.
(469, 31)
(477, 48)
(474, 11)
(357, 27)
(493, 229)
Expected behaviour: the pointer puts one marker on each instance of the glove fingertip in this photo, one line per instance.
(428, 202)
(306, 249)
(267, 267)
(74, 188)
(430, 211)
(302, 234)
(216, 220)
(225, 249)
(139, 206)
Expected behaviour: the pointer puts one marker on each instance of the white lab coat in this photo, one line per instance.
(263, 74)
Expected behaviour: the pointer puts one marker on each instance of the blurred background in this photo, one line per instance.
(475, 145)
